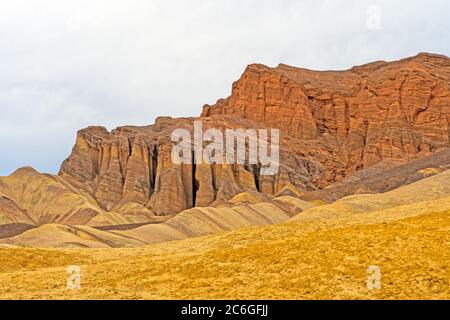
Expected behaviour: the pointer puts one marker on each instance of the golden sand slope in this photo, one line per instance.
(61, 236)
(41, 198)
(417, 198)
(190, 223)
(310, 260)
(203, 221)
(46, 199)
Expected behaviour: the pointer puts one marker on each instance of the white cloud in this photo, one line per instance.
(69, 64)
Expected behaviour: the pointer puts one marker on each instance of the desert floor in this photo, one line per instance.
(317, 259)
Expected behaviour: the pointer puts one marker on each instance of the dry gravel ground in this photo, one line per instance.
(307, 260)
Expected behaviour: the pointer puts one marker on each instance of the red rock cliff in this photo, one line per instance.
(395, 111)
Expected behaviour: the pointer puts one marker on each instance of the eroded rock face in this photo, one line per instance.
(353, 119)
(133, 164)
(333, 123)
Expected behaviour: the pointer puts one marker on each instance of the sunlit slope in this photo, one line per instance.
(30, 197)
(311, 260)
(46, 199)
(203, 221)
(418, 197)
(11, 213)
(61, 236)
(190, 223)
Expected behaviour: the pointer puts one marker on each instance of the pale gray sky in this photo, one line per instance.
(65, 65)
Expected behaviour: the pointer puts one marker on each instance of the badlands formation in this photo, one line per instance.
(363, 180)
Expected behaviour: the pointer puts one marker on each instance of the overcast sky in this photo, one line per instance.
(65, 65)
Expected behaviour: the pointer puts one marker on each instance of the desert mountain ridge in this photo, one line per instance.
(370, 129)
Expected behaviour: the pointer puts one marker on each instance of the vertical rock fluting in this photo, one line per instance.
(133, 164)
(174, 183)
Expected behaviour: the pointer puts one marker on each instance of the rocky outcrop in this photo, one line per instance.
(133, 164)
(395, 111)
